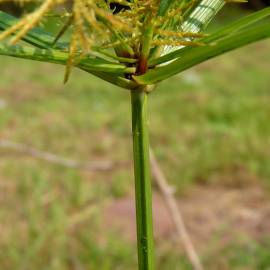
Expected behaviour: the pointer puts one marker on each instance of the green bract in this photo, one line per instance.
(160, 61)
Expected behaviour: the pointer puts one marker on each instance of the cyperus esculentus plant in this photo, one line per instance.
(134, 46)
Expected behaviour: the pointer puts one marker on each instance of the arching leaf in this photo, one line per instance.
(198, 55)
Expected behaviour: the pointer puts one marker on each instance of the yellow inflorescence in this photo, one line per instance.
(23, 26)
(98, 25)
(94, 22)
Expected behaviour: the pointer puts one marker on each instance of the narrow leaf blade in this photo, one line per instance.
(57, 57)
(222, 32)
(36, 36)
(198, 55)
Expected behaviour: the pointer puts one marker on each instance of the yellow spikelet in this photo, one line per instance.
(73, 54)
(28, 22)
(96, 25)
(170, 42)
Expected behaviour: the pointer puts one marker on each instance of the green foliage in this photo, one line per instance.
(222, 32)
(226, 39)
(199, 55)
(164, 6)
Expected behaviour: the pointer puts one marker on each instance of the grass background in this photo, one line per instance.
(209, 128)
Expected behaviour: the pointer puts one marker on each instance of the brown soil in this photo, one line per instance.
(211, 214)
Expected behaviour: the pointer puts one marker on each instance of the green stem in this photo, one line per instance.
(143, 191)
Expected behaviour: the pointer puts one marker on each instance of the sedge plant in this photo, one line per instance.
(133, 44)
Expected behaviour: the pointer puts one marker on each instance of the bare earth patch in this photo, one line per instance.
(211, 214)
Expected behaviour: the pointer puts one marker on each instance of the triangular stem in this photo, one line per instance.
(143, 191)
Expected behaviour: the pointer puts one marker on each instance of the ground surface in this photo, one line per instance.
(209, 129)
(236, 213)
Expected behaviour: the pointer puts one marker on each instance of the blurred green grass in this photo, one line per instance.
(206, 124)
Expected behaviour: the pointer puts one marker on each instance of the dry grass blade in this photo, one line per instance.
(55, 159)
